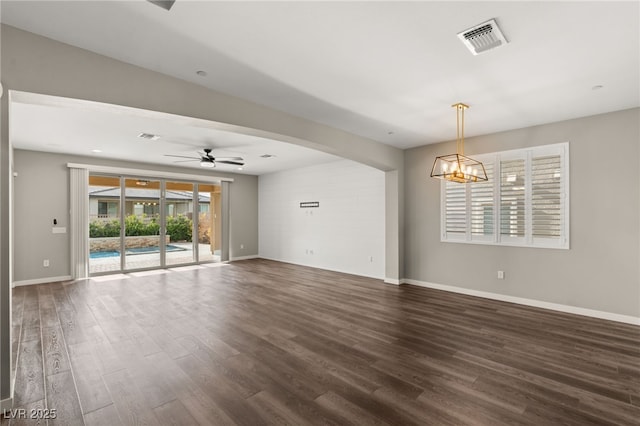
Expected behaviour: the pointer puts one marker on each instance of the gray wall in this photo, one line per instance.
(42, 193)
(599, 272)
(5, 252)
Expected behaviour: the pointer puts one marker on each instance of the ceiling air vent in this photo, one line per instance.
(483, 37)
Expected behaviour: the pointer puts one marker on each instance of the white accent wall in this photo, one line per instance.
(346, 233)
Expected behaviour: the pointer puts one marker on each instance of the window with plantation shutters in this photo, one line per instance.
(525, 201)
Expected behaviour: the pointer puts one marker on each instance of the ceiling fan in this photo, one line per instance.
(207, 160)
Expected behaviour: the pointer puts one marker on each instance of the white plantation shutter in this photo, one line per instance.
(546, 197)
(455, 209)
(523, 203)
(512, 198)
(482, 207)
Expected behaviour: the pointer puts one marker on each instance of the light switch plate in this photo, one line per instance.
(59, 230)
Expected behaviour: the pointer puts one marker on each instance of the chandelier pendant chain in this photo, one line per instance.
(461, 136)
(460, 107)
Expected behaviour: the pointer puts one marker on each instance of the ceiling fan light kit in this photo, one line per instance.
(457, 167)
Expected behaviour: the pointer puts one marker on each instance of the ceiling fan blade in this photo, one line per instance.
(165, 4)
(236, 163)
(228, 158)
(186, 161)
(181, 156)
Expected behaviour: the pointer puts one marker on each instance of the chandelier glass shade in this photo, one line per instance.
(457, 167)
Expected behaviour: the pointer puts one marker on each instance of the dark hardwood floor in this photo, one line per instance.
(260, 342)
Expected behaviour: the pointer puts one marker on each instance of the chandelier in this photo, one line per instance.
(456, 167)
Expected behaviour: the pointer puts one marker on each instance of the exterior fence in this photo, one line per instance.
(113, 243)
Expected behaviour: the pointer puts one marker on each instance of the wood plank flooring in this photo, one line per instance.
(261, 342)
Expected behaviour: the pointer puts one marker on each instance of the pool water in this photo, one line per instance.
(133, 251)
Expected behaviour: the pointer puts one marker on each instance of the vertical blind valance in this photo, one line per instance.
(79, 232)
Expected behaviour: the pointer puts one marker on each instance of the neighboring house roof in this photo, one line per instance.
(145, 194)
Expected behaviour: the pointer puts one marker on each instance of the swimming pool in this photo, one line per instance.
(133, 251)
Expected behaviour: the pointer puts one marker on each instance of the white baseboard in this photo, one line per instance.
(41, 280)
(322, 267)
(6, 404)
(251, 256)
(528, 302)
(392, 281)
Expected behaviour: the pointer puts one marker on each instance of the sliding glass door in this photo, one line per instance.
(141, 211)
(146, 223)
(180, 223)
(104, 224)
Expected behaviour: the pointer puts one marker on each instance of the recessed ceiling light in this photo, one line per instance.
(96, 150)
(597, 87)
(149, 136)
(201, 73)
(267, 156)
(240, 168)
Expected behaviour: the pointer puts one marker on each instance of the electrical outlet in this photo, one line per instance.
(45, 263)
(241, 246)
(501, 275)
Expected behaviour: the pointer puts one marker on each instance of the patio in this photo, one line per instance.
(152, 260)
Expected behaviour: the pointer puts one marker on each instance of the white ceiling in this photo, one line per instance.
(388, 71)
(80, 127)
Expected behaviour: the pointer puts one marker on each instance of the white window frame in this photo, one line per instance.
(527, 240)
